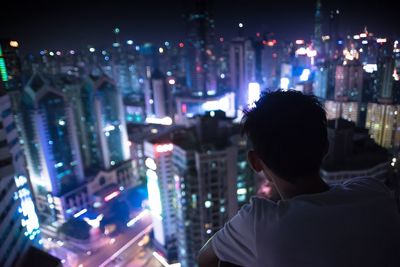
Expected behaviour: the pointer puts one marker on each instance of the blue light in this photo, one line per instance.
(106, 58)
(340, 42)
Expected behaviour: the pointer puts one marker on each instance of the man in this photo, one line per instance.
(314, 224)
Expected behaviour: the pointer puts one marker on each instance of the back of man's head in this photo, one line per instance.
(288, 132)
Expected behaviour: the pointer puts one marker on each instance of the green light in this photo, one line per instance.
(116, 30)
(3, 70)
(1, 51)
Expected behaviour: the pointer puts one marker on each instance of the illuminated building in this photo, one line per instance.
(51, 149)
(111, 126)
(383, 122)
(212, 180)
(348, 82)
(242, 69)
(346, 110)
(158, 100)
(352, 153)
(162, 200)
(320, 85)
(10, 67)
(19, 226)
(200, 51)
(318, 21)
(187, 107)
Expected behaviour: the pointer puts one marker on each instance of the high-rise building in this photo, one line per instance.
(162, 196)
(19, 226)
(318, 21)
(200, 47)
(51, 148)
(352, 153)
(242, 69)
(212, 180)
(349, 82)
(383, 122)
(158, 98)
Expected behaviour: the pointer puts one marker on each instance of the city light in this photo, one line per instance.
(164, 148)
(154, 192)
(305, 75)
(381, 40)
(151, 164)
(370, 68)
(284, 85)
(161, 50)
(14, 44)
(241, 25)
(181, 45)
(254, 92)
(111, 196)
(171, 81)
(161, 121)
(129, 42)
(79, 213)
(92, 50)
(94, 223)
(301, 51)
(137, 218)
(299, 42)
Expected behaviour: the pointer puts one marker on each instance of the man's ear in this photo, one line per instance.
(254, 160)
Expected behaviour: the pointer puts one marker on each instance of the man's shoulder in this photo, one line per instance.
(366, 184)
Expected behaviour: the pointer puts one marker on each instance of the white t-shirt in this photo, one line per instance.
(352, 224)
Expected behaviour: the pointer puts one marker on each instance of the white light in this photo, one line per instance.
(370, 68)
(311, 52)
(212, 113)
(129, 42)
(79, 213)
(151, 164)
(72, 52)
(394, 159)
(241, 191)
(240, 25)
(364, 42)
(299, 42)
(61, 122)
(305, 75)
(284, 83)
(208, 231)
(171, 81)
(112, 163)
(137, 218)
(58, 53)
(162, 121)
(166, 43)
(164, 148)
(254, 92)
(109, 128)
(161, 50)
(115, 44)
(301, 51)
(381, 40)
(356, 37)
(363, 35)
(222, 76)
(211, 92)
(95, 223)
(153, 192)
(207, 204)
(104, 52)
(92, 50)
(51, 53)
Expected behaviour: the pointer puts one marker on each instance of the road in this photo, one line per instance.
(105, 256)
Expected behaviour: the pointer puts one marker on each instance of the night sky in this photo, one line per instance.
(73, 25)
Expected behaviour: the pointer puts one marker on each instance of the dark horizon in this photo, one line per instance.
(72, 25)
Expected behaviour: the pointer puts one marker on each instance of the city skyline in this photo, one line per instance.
(45, 25)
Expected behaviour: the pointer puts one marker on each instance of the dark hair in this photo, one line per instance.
(288, 131)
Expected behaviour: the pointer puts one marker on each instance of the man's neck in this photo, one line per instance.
(309, 185)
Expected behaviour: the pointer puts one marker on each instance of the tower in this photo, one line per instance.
(200, 50)
(318, 20)
(51, 148)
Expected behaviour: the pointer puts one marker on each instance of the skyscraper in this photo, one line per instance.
(200, 51)
(18, 221)
(51, 148)
(242, 69)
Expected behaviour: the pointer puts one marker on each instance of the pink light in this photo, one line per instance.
(184, 108)
(111, 196)
(181, 45)
(221, 39)
(299, 42)
(164, 148)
